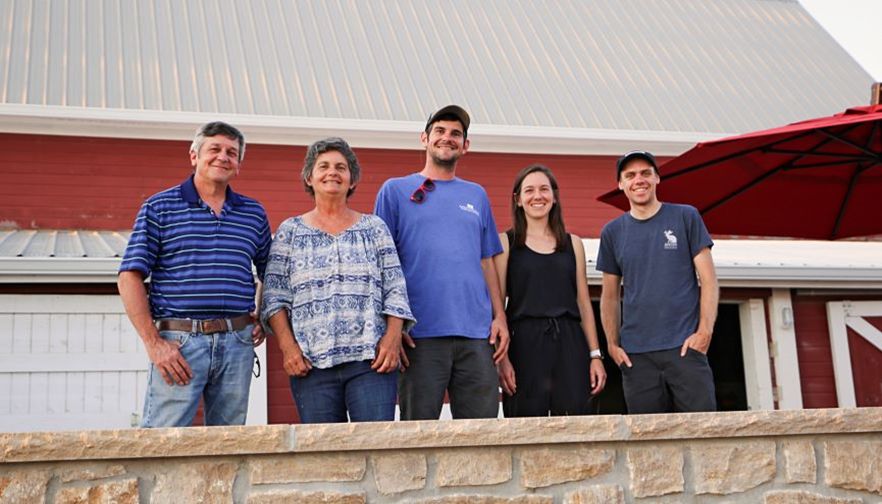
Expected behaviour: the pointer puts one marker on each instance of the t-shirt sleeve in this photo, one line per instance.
(143, 246)
(699, 238)
(490, 244)
(606, 256)
(386, 208)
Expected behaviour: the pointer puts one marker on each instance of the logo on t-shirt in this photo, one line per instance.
(670, 240)
(468, 207)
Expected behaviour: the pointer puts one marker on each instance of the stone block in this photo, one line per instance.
(195, 482)
(542, 467)
(802, 497)
(730, 467)
(399, 472)
(487, 499)
(114, 492)
(23, 486)
(855, 465)
(655, 470)
(799, 461)
(300, 497)
(597, 494)
(473, 466)
(92, 473)
(307, 467)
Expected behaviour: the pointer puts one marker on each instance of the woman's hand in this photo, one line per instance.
(598, 376)
(388, 352)
(506, 376)
(294, 362)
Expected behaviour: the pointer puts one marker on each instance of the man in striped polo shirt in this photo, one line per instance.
(197, 242)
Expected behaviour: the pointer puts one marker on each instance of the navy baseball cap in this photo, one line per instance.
(630, 156)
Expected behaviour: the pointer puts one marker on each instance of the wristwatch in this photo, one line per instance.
(595, 354)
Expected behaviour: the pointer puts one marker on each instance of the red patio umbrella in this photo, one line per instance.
(819, 179)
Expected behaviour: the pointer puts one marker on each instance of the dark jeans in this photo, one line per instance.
(662, 381)
(462, 366)
(325, 395)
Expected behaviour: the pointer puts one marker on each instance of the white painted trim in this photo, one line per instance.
(257, 395)
(60, 303)
(755, 348)
(381, 134)
(67, 422)
(867, 330)
(785, 356)
(72, 363)
(841, 354)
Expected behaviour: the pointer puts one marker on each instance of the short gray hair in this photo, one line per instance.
(218, 128)
(330, 144)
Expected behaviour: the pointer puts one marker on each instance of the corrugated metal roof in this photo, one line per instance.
(722, 66)
(62, 243)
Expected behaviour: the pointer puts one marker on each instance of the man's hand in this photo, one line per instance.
(618, 355)
(388, 353)
(406, 341)
(597, 375)
(294, 362)
(258, 336)
(499, 338)
(506, 376)
(698, 341)
(166, 357)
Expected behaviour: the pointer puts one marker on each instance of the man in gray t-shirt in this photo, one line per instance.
(667, 319)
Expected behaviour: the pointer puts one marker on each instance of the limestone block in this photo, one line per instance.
(655, 470)
(289, 496)
(856, 465)
(399, 472)
(729, 467)
(597, 494)
(473, 466)
(306, 467)
(92, 473)
(542, 467)
(799, 461)
(801, 497)
(205, 482)
(23, 486)
(488, 499)
(114, 492)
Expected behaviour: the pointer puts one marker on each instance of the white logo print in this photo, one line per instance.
(468, 207)
(671, 243)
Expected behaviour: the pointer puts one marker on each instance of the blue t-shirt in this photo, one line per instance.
(654, 258)
(441, 242)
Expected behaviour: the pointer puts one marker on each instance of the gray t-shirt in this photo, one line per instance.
(654, 258)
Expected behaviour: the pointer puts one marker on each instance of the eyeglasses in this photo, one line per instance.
(422, 191)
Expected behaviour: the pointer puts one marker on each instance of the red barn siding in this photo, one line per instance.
(64, 182)
(813, 352)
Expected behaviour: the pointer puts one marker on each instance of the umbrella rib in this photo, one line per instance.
(828, 163)
(849, 143)
(851, 184)
(858, 157)
(740, 190)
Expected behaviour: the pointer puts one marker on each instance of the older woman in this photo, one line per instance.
(335, 297)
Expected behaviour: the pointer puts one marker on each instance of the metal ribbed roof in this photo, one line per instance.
(62, 243)
(723, 66)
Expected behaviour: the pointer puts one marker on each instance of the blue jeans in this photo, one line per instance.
(221, 365)
(325, 395)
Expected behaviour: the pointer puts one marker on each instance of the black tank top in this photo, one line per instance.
(541, 285)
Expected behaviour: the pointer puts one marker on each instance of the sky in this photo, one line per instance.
(855, 25)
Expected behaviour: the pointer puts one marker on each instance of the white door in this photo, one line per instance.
(70, 362)
(856, 345)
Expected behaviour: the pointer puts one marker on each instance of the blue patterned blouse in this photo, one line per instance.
(338, 289)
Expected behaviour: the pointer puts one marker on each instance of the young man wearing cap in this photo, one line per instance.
(667, 317)
(446, 238)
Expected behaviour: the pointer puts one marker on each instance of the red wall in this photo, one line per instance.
(56, 182)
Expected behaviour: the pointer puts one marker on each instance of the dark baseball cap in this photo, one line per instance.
(455, 111)
(630, 156)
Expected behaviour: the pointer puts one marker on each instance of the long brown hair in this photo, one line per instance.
(555, 216)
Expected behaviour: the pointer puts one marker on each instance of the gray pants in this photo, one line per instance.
(462, 366)
(662, 382)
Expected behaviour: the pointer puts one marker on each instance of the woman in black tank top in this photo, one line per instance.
(553, 364)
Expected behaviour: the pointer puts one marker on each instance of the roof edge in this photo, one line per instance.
(379, 134)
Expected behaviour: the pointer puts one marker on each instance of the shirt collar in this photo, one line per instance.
(190, 195)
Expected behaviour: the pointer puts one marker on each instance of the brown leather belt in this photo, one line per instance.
(209, 326)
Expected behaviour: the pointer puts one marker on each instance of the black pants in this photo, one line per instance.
(551, 363)
(662, 381)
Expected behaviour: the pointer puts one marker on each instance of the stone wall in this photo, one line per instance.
(809, 456)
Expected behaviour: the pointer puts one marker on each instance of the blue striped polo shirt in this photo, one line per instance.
(199, 264)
